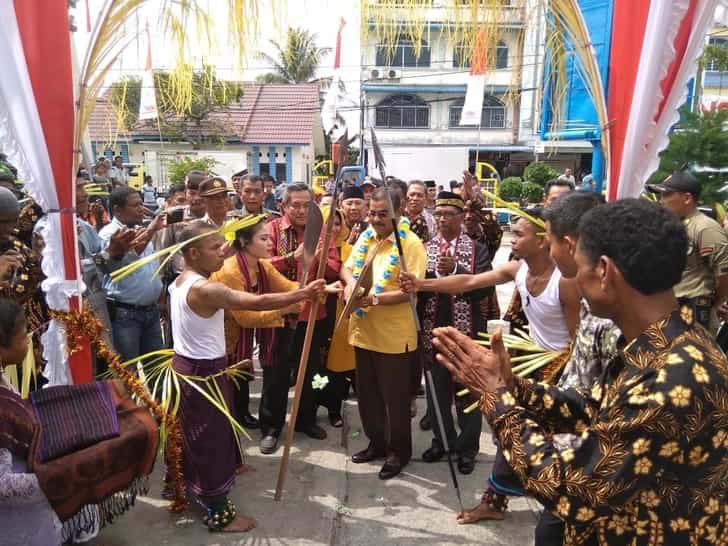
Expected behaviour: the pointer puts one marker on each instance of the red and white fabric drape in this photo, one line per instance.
(36, 132)
(654, 50)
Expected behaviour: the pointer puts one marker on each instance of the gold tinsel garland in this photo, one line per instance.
(82, 325)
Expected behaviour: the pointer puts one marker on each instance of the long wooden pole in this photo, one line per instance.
(310, 325)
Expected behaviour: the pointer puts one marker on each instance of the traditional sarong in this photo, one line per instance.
(210, 453)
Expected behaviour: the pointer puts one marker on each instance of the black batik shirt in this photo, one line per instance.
(652, 468)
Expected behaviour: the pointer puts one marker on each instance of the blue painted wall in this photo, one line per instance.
(579, 116)
(289, 164)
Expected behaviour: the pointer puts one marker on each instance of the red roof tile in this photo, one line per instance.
(102, 123)
(266, 114)
(279, 113)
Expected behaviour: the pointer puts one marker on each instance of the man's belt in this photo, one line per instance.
(131, 306)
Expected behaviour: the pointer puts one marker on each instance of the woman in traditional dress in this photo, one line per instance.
(26, 516)
(340, 358)
(249, 270)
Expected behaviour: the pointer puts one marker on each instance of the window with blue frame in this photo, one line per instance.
(403, 55)
(403, 112)
(493, 115)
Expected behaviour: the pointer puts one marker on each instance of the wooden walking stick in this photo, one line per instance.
(290, 429)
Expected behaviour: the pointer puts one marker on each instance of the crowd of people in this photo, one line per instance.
(624, 440)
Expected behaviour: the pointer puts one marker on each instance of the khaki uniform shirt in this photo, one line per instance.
(707, 257)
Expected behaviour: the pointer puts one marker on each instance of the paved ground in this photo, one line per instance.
(330, 501)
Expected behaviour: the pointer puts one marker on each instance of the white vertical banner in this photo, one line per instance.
(473, 106)
(148, 99)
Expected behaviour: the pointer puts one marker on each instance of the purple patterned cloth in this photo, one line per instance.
(210, 453)
(74, 417)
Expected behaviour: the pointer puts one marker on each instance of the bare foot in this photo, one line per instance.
(241, 524)
(482, 511)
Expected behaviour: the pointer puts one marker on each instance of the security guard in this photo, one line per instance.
(704, 284)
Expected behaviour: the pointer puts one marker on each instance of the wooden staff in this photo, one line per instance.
(306, 346)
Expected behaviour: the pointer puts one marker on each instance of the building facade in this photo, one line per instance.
(414, 101)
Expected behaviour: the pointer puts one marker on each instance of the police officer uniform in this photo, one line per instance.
(707, 253)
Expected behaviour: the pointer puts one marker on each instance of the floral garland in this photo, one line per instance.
(361, 250)
(82, 325)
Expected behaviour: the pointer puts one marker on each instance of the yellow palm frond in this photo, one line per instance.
(227, 230)
(510, 206)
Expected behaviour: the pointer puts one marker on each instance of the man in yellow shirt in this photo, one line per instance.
(384, 335)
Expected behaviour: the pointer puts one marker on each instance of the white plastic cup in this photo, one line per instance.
(504, 325)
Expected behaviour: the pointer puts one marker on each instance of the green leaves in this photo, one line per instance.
(296, 60)
(699, 139)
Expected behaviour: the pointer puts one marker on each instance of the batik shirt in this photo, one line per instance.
(652, 468)
(594, 345)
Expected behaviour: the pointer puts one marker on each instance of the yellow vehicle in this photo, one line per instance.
(320, 180)
(136, 175)
(488, 178)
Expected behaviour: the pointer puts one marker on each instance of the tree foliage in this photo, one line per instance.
(510, 189)
(177, 170)
(539, 173)
(717, 56)
(295, 60)
(700, 139)
(531, 192)
(208, 93)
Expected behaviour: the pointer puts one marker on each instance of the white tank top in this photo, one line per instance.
(544, 312)
(195, 337)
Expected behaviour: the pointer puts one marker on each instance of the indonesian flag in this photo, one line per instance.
(37, 109)
(329, 111)
(473, 106)
(148, 98)
(654, 51)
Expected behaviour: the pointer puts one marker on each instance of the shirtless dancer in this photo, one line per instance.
(197, 305)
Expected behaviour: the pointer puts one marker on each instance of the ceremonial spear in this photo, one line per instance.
(379, 162)
(311, 237)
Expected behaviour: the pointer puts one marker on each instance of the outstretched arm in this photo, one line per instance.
(215, 295)
(458, 284)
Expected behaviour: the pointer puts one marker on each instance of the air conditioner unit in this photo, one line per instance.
(392, 74)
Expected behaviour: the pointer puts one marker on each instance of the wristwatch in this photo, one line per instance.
(375, 299)
(102, 257)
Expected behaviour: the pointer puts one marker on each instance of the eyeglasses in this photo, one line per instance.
(446, 214)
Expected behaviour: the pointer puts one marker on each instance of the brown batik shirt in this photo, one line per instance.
(652, 468)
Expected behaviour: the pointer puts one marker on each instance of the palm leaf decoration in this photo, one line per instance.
(110, 38)
(535, 357)
(227, 230)
(515, 209)
(163, 383)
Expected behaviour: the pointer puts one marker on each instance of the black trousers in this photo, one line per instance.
(503, 479)
(467, 443)
(333, 395)
(277, 380)
(384, 388)
(549, 530)
(242, 398)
